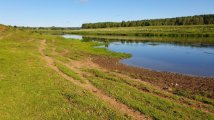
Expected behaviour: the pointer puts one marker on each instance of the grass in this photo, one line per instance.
(145, 102)
(170, 31)
(29, 89)
(173, 31)
(79, 50)
(195, 97)
(149, 88)
(2, 27)
(69, 72)
(189, 34)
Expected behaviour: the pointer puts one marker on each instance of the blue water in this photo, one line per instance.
(168, 57)
(198, 60)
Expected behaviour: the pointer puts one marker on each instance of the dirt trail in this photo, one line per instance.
(77, 65)
(115, 104)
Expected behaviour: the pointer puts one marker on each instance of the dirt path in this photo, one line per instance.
(115, 104)
(77, 65)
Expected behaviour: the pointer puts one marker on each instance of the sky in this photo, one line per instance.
(72, 13)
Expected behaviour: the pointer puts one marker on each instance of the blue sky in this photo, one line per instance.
(73, 13)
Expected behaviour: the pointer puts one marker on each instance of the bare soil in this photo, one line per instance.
(169, 81)
(111, 101)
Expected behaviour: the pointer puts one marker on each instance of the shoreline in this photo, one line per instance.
(172, 82)
(182, 74)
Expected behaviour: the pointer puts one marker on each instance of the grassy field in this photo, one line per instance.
(29, 89)
(170, 31)
(49, 77)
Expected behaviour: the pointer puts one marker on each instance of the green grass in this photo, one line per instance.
(149, 88)
(29, 89)
(170, 31)
(189, 34)
(68, 72)
(145, 102)
(79, 50)
(173, 31)
(195, 97)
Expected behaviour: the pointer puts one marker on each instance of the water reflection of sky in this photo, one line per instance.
(187, 59)
(169, 57)
(73, 36)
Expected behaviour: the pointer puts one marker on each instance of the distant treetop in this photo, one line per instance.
(189, 20)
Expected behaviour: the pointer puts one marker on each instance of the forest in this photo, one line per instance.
(189, 20)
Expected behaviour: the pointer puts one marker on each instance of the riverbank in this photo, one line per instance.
(170, 31)
(194, 41)
(180, 57)
(158, 31)
(189, 85)
(50, 77)
(172, 82)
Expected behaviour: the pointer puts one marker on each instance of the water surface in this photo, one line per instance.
(193, 59)
(73, 36)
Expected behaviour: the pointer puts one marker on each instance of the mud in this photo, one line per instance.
(172, 82)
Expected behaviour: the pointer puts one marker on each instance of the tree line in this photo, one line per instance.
(189, 20)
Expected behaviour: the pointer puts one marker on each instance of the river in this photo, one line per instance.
(191, 59)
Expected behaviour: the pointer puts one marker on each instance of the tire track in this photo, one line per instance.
(111, 101)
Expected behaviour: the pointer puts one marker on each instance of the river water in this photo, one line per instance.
(191, 59)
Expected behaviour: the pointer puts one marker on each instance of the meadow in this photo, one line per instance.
(158, 31)
(49, 77)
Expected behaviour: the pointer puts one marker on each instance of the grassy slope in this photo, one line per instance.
(31, 90)
(1, 27)
(150, 103)
(156, 107)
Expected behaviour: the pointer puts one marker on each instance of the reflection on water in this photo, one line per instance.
(195, 58)
(73, 36)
